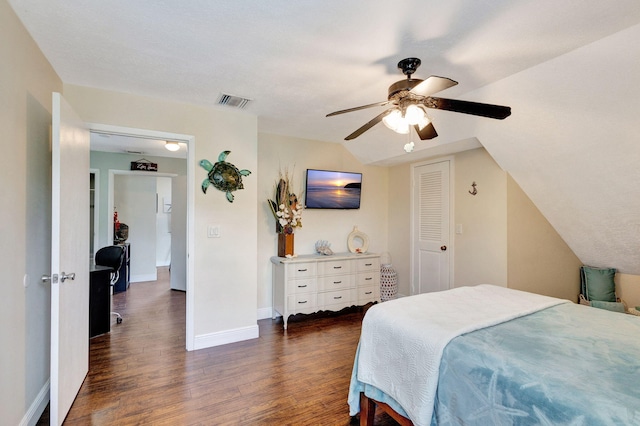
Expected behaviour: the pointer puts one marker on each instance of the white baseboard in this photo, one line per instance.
(143, 277)
(264, 313)
(224, 337)
(37, 407)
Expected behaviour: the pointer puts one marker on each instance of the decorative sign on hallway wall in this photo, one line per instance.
(144, 165)
(222, 175)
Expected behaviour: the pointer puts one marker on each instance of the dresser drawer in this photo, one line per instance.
(334, 267)
(302, 303)
(301, 270)
(368, 278)
(335, 300)
(368, 294)
(335, 282)
(368, 264)
(304, 285)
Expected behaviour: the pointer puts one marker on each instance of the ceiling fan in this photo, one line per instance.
(410, 98)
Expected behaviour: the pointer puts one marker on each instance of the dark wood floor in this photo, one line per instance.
(140, 372)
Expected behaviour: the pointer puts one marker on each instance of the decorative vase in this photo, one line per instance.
(121, 234)
(285, 245)
(388, 279)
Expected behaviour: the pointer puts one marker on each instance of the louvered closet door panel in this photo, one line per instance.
(430, 220)
(431, 228)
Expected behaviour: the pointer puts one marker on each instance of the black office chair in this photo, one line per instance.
(111, 257)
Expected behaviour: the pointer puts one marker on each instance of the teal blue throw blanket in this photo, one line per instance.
(565, 365)
(569, 364)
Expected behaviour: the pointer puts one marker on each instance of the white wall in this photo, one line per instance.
(163, 222)
(134, 198)
(571, 144)
(279, 152)
(481, 250)
(225, 282)
(399, 211)
(26, 83)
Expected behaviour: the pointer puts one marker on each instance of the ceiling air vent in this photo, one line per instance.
(232, 101)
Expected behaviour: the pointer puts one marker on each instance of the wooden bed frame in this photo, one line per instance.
(368, 412)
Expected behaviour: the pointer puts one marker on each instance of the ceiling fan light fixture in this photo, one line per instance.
(392, 119)
(396, 122)
(414, 114)
(424, 121)
(403, 127)
(172, 145)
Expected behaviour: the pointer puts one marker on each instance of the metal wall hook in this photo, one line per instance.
(475, 191)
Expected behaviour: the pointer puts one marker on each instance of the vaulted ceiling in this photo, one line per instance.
(569, 70)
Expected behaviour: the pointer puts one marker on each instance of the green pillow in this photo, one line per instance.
(597, 283)
(610, 306)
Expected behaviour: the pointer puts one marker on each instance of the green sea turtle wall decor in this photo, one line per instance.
(222, 175)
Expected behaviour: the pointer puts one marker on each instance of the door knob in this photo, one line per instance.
(64, 277)
(443, 248)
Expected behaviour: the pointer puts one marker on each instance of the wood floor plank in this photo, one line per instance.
(141, 374)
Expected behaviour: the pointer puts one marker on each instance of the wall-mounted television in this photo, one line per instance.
(327, 189)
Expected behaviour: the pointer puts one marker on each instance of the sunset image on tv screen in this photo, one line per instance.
(333, 190)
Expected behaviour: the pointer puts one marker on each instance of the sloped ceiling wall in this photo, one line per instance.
(573, 145)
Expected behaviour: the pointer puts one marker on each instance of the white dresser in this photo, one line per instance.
(312, 283)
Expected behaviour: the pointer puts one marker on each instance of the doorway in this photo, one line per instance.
(138, 198)
(189, 141)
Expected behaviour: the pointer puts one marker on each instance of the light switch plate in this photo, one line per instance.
(213, 231)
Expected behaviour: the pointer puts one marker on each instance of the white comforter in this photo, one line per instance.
(402, 340)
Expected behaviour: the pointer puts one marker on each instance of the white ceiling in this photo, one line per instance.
(299, 61)
(123, 144)
(569, 70)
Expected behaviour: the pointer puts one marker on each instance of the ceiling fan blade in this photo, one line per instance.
(358, 108)
(378, 118)
(427, 132)
(433, 84)
(474, 108)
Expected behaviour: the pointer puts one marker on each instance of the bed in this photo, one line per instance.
(487, 355)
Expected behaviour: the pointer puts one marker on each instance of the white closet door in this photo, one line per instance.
(431, 253)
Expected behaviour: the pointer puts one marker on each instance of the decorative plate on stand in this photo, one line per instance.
(352, 241)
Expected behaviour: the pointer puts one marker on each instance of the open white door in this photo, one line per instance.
(69, 258)
(431, 251)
